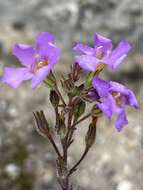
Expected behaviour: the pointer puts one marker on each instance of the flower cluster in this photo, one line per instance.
(107, 97)
(37, 63)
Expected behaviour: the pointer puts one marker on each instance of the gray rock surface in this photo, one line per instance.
(76, 19)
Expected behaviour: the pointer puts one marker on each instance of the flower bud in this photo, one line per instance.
(76, 91)
(42, 124)
(54, 98)
(91, 133)
(60, 126)
(75, 72)
(79, 109)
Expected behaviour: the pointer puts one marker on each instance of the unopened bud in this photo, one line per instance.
(54, 98)
(60, 126)
(76, 91)
(79, 109)
(42, 124)
(75, 72)
(91, 133)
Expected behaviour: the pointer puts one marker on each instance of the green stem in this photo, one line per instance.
(82, 119)
(73, 169)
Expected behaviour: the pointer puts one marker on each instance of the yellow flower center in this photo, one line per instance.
(99, 54)
(38, 65)
(41, 64)
(118, 99)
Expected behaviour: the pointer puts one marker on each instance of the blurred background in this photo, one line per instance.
(26, 159)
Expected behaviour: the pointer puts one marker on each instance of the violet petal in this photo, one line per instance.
(39, 76)
(102, 86)
(15, 76)
(118, 54)
(129, 95)
(83, 48)
(121, 120)
(102, 41)
(87, 62)
(25, 54)
(107, 106)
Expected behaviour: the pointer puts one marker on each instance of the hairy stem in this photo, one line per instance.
(60, 95)
(57, 90)
(54, 145)
(82, 119)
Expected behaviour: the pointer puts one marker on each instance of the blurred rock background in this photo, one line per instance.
(26, 159)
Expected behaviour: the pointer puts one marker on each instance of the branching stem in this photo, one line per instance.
(82, 119)
(54, 145)
(80, 160)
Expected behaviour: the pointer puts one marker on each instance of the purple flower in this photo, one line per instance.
(37, 62)
(113, 99)
(102, 53)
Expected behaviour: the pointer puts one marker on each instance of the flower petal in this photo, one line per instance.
(43, 42)
(87, 62)
(39, 76)
(25, 54)
(131, 99)
(15, 76)
(118, 54)
(53, 55)
(121, 120)
(107, 106)
(83, 48)
(105, 43)
(117, 87)
(43, 38)
(93, 95)
(129, 95)
(49, 52)
(101, 86)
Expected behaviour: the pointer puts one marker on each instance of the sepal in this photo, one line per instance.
(96, 112)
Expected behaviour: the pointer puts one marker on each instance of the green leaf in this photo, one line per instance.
(50, 83)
